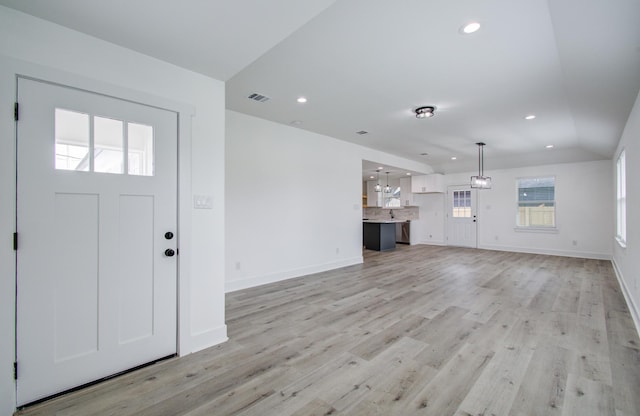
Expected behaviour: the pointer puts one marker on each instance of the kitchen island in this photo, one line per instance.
(379, 235)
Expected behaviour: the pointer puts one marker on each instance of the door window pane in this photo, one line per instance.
(140, 138)
(72, 140)
(461, 204)
(108, 144)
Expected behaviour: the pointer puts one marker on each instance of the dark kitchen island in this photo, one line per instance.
(379, 235)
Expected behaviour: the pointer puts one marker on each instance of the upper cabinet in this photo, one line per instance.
(424, 184)
(406, 196)
(374, 199)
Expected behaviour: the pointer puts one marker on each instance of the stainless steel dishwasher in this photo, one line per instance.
(403, 232)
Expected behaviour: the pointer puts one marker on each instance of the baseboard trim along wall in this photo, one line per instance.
(627, 296)
(232, 286)
(205, 339)
(550, 252)
(433, 243)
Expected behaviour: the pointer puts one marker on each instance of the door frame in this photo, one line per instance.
(184, 113)
(474, 212)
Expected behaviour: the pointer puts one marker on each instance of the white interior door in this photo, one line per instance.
(461, 216)
(97, 191)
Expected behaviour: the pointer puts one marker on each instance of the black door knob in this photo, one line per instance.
(169, 252)
(168, 235)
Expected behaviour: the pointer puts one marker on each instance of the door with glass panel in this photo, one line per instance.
(461, 216)
(96, 220)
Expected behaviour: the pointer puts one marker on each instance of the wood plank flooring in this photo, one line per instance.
(423, 330)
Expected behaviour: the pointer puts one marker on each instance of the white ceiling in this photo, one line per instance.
(366, 64)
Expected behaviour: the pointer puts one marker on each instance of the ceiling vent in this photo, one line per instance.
(258, 97)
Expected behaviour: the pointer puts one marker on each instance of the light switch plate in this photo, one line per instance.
(202, 202)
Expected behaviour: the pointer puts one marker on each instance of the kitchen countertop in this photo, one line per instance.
(384, 221)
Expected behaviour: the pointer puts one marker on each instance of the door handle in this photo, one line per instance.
(169, 252)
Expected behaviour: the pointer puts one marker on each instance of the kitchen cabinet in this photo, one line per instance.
(374, 199)
(424, 184)
(406, 196)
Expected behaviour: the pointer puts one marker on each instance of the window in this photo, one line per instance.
(392, 199)
(84, 142)
(461, 204)
(536, 202)
(621, 200)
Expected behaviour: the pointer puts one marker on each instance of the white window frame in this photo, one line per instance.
(538, 228)
(621, 199)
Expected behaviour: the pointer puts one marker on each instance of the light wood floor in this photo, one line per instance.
(420, 331)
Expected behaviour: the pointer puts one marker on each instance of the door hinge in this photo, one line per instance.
(15, 241)
(16, 112)
(15, 370)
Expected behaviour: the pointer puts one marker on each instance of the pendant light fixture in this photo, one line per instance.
(481, 181)
(387, 189)
(378, 187)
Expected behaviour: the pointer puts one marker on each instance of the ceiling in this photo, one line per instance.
(365, 65)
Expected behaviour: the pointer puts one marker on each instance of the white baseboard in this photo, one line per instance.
(635, 315)
(234, 285)
(432, 243)
(550, 252)
(206, 339)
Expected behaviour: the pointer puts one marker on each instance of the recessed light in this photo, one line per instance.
(380, 167)
(530, 117)
(372, 177)
(470, 28)
(453, 158)
(302, 100)
(424, 154)
(408, 173)
(549, 146)
(361, 132)
(424, 112)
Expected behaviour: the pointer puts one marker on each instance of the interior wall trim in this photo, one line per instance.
(635, 315)
(233, 285)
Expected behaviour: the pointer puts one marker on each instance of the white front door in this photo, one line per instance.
(461, 216)
(97, 191)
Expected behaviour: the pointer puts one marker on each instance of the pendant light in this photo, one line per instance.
(481, 181)
(387, 189)
(378, 187)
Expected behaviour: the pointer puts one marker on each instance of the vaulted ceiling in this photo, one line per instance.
(366, 65)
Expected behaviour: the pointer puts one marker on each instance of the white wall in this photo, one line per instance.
(627, 260)
(294, 201)
(584, 211)
(33, 47)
